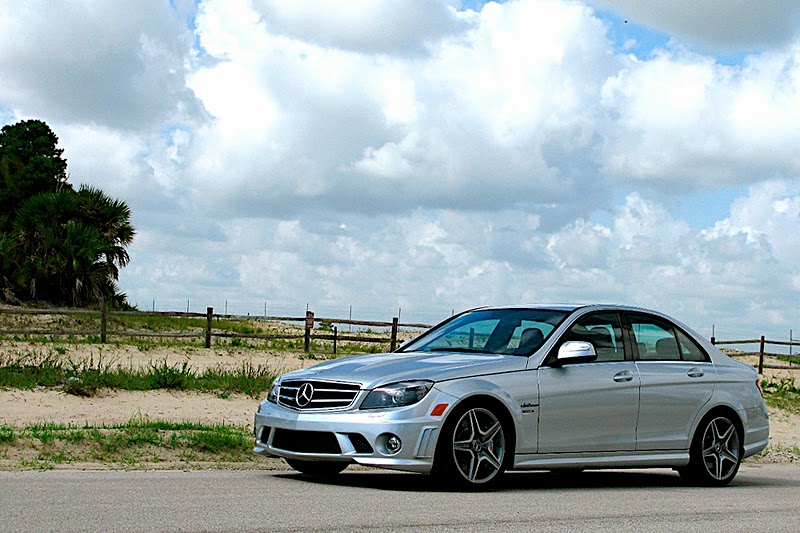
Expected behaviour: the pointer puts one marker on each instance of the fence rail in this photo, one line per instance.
(762, 354)
(208, 333)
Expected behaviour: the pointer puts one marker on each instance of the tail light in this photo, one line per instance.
(758, 386)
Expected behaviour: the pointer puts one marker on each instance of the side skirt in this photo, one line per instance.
(648, 459)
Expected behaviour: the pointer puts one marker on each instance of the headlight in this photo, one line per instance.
(397, 394)
(273, 393)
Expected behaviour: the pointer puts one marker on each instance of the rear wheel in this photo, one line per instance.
(472, 451)
(716, 452)
(317, 468)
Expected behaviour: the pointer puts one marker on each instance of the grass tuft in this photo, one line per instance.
(86, 377)
(782, 393)
(139, 441)
(7, 435)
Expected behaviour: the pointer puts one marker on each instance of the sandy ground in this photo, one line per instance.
(23, 407)
(130, 356)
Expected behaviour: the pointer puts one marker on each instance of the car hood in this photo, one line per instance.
(375, 370)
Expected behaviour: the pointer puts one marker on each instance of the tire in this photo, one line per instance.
(716, 452)
(472, 448)
(317, 468)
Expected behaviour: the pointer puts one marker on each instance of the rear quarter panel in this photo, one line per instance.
(736, 388)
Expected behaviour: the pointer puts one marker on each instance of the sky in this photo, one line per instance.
(376, 157)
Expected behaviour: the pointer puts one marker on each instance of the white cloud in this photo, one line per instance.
(407, 154)
(370, 26)
(715, 24)
(581, 246)
(119, 65)
(684, 120)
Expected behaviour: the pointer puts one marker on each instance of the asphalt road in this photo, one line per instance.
(762, 498)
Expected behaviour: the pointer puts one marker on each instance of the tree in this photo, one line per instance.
(30, 163)
(62, 246)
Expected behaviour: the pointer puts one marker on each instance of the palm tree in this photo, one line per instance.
(113, 219)
(70, 246)
(56, 244)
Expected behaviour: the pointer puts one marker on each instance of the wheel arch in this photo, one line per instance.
(717, 410)
(500, 409)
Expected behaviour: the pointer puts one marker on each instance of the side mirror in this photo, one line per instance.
(572, 352)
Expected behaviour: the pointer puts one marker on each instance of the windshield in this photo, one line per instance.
(497, 331)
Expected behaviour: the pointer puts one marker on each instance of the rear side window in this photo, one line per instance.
(659, 340)
(689, 349)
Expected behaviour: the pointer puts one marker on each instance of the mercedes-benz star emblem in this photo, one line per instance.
(304, 394)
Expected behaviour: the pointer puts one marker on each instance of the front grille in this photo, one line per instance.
(317, 394)
(360, 443)
(305, 441)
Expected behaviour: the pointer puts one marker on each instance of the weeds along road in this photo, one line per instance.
(762, 498)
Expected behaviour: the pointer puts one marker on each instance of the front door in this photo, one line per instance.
(590, 407)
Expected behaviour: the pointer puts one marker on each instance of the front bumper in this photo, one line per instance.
(353, 435)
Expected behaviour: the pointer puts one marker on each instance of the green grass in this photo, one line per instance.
(7, 435)
(782, 393)
(85, 378)
(139, 441)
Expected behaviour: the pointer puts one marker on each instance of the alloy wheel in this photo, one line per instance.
(720, 448)
(478, 445)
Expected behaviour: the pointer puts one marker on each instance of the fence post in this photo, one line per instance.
(309, 327)
(209, 318)
(393, 343)
(335, 338)
(103, 322)
(713, 340)
(761, 356)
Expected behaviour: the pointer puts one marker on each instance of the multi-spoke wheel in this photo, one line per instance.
(473, 449)
(716, 452)
(317, 468)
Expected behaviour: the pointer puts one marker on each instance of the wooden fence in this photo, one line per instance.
(311, 332)
(762, 354)
(309, 321)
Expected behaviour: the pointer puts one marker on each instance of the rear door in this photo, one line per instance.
(677, 379)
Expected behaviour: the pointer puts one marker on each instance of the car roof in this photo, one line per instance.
(574, 307)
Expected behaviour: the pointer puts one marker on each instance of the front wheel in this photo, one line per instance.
(716, 453)
(317, 468)
(472, 451)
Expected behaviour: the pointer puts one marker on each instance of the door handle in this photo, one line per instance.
(695, 373)
(625, 375)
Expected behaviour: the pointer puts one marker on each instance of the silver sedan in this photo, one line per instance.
(524, 388)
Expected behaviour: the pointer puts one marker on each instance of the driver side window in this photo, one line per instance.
(604, 332)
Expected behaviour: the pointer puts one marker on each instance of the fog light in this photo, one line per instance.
(393, 444)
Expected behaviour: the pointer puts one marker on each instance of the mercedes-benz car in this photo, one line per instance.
(524, 388)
